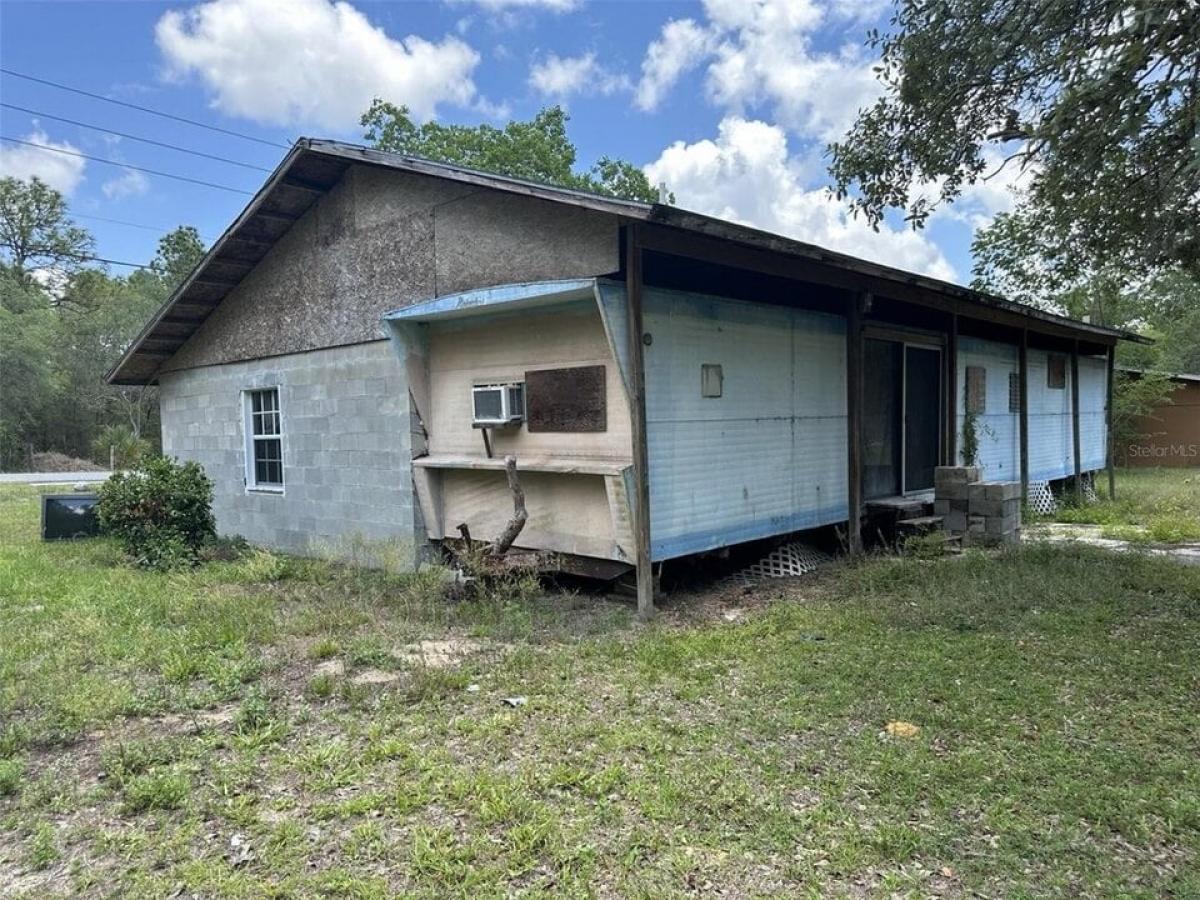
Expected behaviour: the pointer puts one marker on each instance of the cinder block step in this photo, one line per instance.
(920, 523)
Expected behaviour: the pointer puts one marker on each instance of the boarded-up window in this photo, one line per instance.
(976, 389)
(566, 399)
(712, 380)
(1014, 392)
(1056, 372)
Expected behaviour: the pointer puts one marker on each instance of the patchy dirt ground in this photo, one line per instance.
(1016, 724)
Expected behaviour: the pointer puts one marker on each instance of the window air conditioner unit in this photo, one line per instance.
(498, 405)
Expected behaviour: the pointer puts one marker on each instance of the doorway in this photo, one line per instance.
(902, 417)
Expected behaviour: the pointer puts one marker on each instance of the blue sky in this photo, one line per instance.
(730, 102)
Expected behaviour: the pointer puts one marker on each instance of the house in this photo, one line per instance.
(1170, 434)
(358, 352)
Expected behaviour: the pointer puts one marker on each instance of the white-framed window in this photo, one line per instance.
(264, 440)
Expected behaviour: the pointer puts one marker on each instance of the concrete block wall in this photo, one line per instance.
(346, 449)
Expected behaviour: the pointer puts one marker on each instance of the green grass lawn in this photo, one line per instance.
(267, 728)
(1152, 506)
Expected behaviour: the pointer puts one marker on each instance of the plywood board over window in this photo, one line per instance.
(1056, 372)
(566, 400)
(976, 389)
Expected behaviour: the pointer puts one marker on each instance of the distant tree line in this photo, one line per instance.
(64, 321)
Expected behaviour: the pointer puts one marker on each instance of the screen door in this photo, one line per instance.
(922, 416)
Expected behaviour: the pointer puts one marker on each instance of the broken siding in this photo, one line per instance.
(998, 429)
(769, 455)
(381, 240)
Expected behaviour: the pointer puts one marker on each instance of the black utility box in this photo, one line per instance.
(69, 516)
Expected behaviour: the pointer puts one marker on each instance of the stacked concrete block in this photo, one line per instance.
(952, 496)
(984, 512)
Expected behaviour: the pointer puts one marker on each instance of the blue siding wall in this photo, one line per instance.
(769, 455)
(998, 429)
(1093, 397)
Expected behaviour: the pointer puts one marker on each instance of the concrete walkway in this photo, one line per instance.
(1059, 532)
(53, 477)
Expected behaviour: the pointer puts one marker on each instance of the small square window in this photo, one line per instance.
(976, 389)
(264, 440)
(1014, 392)
(712, 380)
(1056, 372)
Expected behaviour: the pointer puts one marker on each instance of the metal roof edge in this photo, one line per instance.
(517, 295)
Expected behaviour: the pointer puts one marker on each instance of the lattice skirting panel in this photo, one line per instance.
(788, 560)
(1089, 487)
(1041, 498)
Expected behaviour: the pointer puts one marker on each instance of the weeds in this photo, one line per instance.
(155, 791)
(1054, 687)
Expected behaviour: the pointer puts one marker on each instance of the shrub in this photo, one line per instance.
(118, 444)
(161, 512)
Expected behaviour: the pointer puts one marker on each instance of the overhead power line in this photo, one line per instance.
(122, 165)
(145, 109)
(112, 262)
(158, 229)
(134, 137)
(87, 257)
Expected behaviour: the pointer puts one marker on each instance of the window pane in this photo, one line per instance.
(269, 449)
(265, 429)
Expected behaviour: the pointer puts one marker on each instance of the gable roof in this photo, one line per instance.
(312, 167)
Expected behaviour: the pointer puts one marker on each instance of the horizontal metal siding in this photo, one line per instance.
(769, 455)
(998, 430)
(1093, 398)
(1051, 444)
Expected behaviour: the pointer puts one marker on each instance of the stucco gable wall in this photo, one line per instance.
(382, 239)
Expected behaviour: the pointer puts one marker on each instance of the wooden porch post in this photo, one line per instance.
(1023, 378)
(1075, 419)
(854, 390)
(1110, 457)
(641, 457)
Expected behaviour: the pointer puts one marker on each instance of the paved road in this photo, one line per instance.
(52, 477)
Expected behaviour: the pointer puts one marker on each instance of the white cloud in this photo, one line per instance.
(680, 47)
(996, 191)
(747, 175)
(561, 77)
(60, 171)
(312, 62)
(760, 52)
(130, 183)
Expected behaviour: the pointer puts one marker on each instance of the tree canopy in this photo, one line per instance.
(1098, 100)
(537, 149)
(36, 233)
(60, 334)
